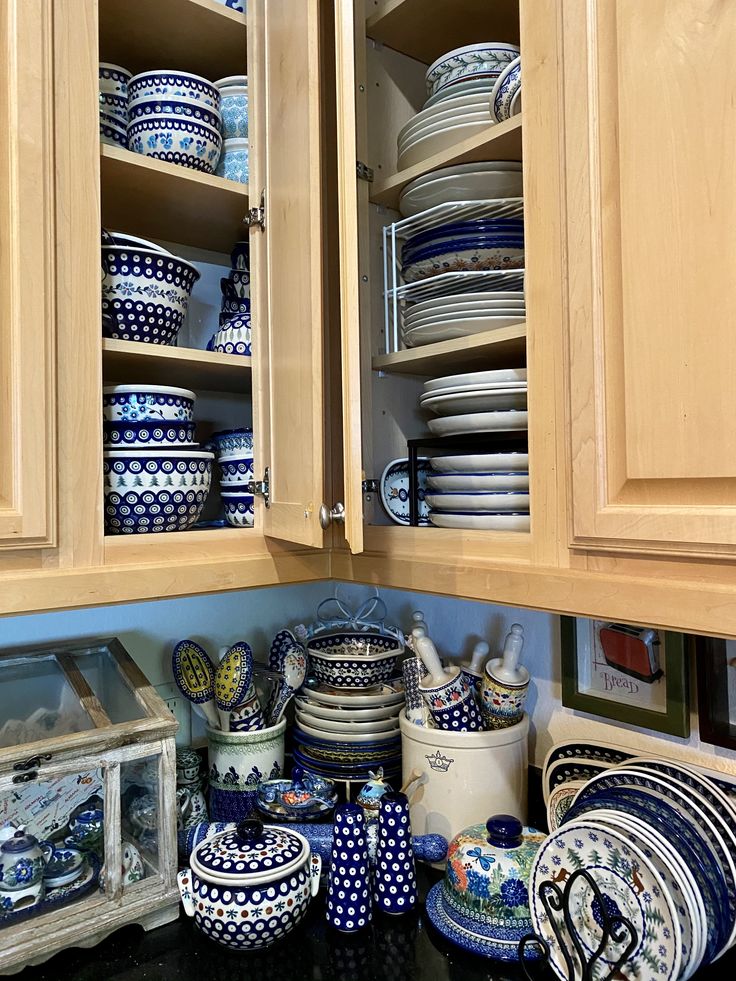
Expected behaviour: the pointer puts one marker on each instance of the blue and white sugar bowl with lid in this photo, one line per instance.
(249, 887)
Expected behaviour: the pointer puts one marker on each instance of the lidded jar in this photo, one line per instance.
(249, 887)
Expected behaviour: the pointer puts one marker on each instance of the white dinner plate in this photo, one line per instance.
(506, 420)
(391, 693)
(440, 140)
(479, 501)
(468, 187)
(481, 522)
(460, 300)
(480, 85)
(370, 713)
(350, 737)
(449, 405)
(479, 482)
(457, 106)
(452, 316)
(480, 115)
(481, 463)
(463, 389)
(430, 333)
(492, 377)
(415, 317)
(346, 725)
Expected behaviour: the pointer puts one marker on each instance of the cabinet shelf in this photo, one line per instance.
(501, 141)
(126, 361)
(156, 199)
(502, 348)
(444, 25)
(199, 36)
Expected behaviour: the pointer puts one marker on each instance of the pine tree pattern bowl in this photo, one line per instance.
(238, 509)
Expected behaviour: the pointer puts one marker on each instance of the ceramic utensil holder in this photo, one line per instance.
(465, 775)
(452, 704)
(348, 891)
(239, 762)
(395, 881)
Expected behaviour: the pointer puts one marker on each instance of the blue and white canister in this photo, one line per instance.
(395, 882)
(348, 890)
(234, 161)
(239, 762)
(234, 106)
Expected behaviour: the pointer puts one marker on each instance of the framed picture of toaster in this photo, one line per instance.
(715, 659)
(636, 675)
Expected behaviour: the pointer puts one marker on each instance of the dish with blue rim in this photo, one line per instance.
(471, 942)
(394, 488)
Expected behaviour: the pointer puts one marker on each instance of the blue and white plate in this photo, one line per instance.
(394, 488)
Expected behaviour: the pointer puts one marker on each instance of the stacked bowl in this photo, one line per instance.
(234, 451)
(234, 159)
(145, 290)
(156, 477)
(175, 116)
(506, 94)
(459, 85)
(113, 104)
(234, 333)
(476, 244)
(347, 712)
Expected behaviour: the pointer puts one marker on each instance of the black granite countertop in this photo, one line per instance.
(392, 949)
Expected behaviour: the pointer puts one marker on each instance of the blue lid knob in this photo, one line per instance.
(504, 831)
(249, 831)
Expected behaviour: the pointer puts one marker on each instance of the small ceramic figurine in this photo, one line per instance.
(22, 862)
(449, 697)
(394, 881)
(348, 891)
(133, 870)
(371, 793)
(188, 765)
(505, 684)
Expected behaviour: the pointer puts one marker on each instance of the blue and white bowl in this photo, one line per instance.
(174, 106)
(353, 659)
(228, 441)
(145, 294)
(162, 82)
(239, 6)
(138, 435)
(115, 104)
(507, 85)
(234, 161)
(149, 491)
(177, 139)
(232, 340)
(147, 403)
(469, 61)
(238, 509)
(234, 106)
(114, 79)
(236, 468)
(112, 131)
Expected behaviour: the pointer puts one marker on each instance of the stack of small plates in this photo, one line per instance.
(443, 318)
(479, 181)
(476, 244)
(659, 840)
(479, 490)
(344, 734)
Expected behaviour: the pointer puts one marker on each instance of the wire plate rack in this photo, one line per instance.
(398, 294)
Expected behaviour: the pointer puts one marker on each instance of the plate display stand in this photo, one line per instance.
(618, 937)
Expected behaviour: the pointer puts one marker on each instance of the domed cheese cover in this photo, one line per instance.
(252, 852)
(488, 868)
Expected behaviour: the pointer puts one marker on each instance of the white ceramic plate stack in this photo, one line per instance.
(459, 85)
(480, 491)
(481, 181)
(444, 318)
(659, 840)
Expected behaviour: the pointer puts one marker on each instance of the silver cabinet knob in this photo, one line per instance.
(328, 515)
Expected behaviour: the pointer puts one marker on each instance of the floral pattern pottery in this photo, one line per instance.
(507, 85)
(133, 870)
(63, 866)
(560, 801)
(348, 906)
(164, 83)
(394, 486)
(239, 762)
(234, 109)
(87, 826)
(630, 886)
(234, 162)
(22, 861)
(502, 702)
(394, 881)
(188, 766)
(114, 79)
(229, 441)
(176, 139)
(250, 887)
(147, 403)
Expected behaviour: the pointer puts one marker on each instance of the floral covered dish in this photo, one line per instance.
(482, 904)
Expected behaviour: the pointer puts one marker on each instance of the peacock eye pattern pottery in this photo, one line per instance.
(394, 882)
(128, 403)
(176, 139)
(145, 294)
(141, 434)
(348, 907)
(239, 509)
(236, 469)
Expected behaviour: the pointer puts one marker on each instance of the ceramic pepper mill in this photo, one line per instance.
(395, 881)
(348, 888)
(473, 672)
(505, 684)
(449, 697)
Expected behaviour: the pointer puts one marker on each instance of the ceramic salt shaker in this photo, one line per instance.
(348, 889)
(505, 684)
(395, 882)
(449, 697)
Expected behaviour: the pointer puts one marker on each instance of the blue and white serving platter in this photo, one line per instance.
(630, 887)
(394, 488)
(466, 939)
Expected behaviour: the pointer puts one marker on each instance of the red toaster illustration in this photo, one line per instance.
(632, 650)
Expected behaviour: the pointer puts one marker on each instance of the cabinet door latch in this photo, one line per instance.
(261, 488)
(364, 172)
(256, 217)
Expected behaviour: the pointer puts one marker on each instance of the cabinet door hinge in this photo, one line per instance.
(261, 488)
(371, 486)
(257, 216)
(364, 172)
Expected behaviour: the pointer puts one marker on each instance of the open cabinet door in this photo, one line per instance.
(348, 46)
(287, 264)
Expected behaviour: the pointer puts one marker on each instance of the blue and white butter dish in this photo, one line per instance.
(250, 887)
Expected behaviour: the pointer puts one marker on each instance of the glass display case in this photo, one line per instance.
(87, 799)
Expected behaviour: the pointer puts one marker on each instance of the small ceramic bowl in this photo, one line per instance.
(167, 83)
(142, 434)
(238, 509)
(229, 441)
(174, 105)
(112, 131)
(234, 161)
(147, 403)
(236, 467)
(353, 659)
(230, 340)
(234, 108)
(507, 85)
(116, 105)
(114, 78)
(176, 139)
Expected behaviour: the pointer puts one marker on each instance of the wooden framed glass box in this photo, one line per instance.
(88, 768)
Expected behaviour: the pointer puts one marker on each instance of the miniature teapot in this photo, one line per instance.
(505, 684)
(22, 861)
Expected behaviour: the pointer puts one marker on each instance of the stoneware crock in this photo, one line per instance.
(249, 887)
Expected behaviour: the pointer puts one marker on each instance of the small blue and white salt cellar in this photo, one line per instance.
(395, 881)
(249, 887)
(349, 891)
(234, 161)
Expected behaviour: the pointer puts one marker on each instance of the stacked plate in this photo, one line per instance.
(477, 244)
(343, 734)
(659, 840)
(443, 318)
(464, 182)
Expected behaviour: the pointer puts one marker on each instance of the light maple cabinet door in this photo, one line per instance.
(287, 264)
(650, 131)
(27, 314)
